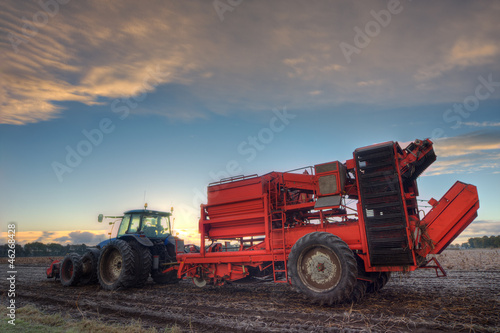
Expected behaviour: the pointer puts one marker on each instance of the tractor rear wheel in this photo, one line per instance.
(323, 268)
(89, 262)
(116, 266)
(143, 263)
(71, 269)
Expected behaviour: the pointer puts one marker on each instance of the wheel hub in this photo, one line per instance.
(112, 266)
(319, 268)
(116, 264)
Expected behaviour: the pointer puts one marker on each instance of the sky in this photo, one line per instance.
(106, 105)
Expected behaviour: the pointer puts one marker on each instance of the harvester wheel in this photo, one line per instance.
(116, 266)
(89, 263)
(199, 282)
(71, 270)
(165, 278)
(379, 283)
(323, 268)
(385, 278)
(143, 263)
(358, 292)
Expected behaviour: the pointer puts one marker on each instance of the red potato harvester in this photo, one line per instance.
(297, 227)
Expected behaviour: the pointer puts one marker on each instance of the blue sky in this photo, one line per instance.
(160, 98)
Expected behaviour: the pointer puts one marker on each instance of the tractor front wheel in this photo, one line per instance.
(71, 270)
(323, 268)
(116, 266)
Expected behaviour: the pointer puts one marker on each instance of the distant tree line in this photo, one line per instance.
(480, 243)
(37, 249)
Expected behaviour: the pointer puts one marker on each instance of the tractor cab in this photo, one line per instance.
(150, 223)
(146, 226)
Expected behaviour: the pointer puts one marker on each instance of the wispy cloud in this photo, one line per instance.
(268, 53)
(75, 57)
(463, 53)
(468, 153)
(483, 124)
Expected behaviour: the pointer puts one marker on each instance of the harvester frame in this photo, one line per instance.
(298, 228)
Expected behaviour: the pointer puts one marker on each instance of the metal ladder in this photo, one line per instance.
(282, 247)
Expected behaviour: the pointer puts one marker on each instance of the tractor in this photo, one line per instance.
(143, 246)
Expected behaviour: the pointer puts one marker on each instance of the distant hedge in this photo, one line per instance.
(38, 249)
(480, 243)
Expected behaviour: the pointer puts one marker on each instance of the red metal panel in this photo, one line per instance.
(235, 209)
(234, 191)
(300, 181)
(452, 214)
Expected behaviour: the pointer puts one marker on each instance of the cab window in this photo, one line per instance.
(155, 225)
(164, 225)
(124, 225)
(134, 224)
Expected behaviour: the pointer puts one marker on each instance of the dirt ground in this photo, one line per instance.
(467, 300)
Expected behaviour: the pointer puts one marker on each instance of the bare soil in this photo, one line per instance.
(465, 300)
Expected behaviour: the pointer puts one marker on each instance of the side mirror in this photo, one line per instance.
(100, 217)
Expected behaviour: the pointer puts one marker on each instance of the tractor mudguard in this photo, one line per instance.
(169, 240)
(141, 240)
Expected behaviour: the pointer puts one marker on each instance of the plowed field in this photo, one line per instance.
(465, 300)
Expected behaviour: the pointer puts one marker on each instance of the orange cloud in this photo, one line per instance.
(89, 237)
(473, 152)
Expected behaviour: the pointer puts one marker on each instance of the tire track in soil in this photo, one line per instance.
(211, 318)
(417, 302)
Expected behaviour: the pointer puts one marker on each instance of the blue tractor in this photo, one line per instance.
(143, 246)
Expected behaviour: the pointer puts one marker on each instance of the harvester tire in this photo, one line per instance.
(143, 263)
(358, 292)
(379, 283)
(71, 270)
(89, 264)
(323, 268)
(165, 278)
(116, 266)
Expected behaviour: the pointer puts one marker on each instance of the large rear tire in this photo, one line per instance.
(143, 263)
(71, 270)
(323, 268)
(89, 262)
(116, 266)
